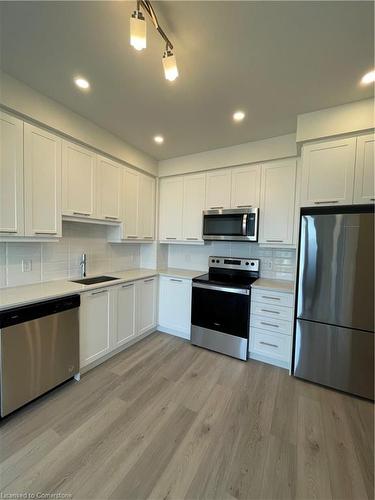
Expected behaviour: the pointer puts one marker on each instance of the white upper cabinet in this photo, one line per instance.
(11, 176)
(78, 181)
(245, 186)
(42, 182)
(277, 202)
(108, 188)
(364, 184)
(171, 208)
(130, 197)
(147, 207)
(218, 189)
(193, 206)
(328, 172)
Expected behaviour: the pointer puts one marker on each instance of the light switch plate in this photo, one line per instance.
(27, 265)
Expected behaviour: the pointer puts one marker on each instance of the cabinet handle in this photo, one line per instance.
(147, 237)
(110, 218)
(100, 291)
(174, 279)
(275, 241)
(215, 208)
(127, 286)
(244, 206)
(148, 281)
(192, 239)
(132, 237)
(269, 324)
(8, 232)
(45, 232)
(269, 311)
(268, 297)
(171, 238)
(271, 345)
(81, 213)
(372, 199)
(324, 202)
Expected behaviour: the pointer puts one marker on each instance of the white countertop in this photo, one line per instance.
(26, 294)
(277, 285)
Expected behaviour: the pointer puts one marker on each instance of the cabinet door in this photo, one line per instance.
(147, 207)
(245, 186)
(95, 325)
(42, 188)
(193, 206)
(125, 314)
(130, 198)
(364, 185)
(175, 305)
(277, 202)
(109, 189)
(171, 206)
(11, 176)
(78, 180)
(328, 172)
(146, 304)
(218, 186)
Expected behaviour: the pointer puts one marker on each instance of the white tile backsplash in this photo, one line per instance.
(60, 259)
(277, 263)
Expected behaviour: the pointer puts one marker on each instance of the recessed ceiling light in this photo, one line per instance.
(368, 78)
(159, 139)
(238, 116)
(82, 83)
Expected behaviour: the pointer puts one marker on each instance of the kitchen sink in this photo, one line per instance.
(96, 279)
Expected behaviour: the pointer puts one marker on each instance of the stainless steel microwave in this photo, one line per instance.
(239, 224)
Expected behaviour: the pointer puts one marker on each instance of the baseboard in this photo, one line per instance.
(175, 333)
(131, 342)
(270, 361)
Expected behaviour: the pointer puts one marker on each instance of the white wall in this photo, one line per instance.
(275, 263)
(60, 260)
(348, 118)
(251, 152)
(31, 105)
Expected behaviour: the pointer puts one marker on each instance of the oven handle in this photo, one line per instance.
(238, 291)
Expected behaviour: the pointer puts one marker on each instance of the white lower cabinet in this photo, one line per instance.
(271, 327)
(113, 316)
(96, 325)
(175, 306)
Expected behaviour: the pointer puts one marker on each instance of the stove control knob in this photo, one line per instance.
(213, 261)
(252, 264)
(217, 261)
(247, 263)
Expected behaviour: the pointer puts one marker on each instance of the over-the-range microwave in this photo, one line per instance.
(238, 224)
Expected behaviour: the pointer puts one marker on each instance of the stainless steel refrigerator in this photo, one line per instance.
(334, 327)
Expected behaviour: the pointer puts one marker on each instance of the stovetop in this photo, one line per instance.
(234, 272)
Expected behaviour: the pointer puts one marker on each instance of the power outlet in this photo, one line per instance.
(266, 264)
(27, 265)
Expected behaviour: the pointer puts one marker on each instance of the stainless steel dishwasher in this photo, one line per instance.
(39, 349)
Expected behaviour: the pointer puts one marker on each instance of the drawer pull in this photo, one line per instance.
(127, 286)
(244, 206)
(192, 239)
(171, 238)
(129, 237)
(269, 311)
(149, 280)
(268, 297)
(147, 237)
(174, 279)
(324, 202)
(269, 324)
(267, 343)
(372, 199)
(100, 291)
(81, 213)
(110, 218)
(275, 241)
(45, 232)
(216, 208)
(7, 232)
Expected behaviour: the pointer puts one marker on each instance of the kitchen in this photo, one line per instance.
(190, 313)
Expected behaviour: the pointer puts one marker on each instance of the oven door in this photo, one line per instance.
(220, 319)
(232, 225)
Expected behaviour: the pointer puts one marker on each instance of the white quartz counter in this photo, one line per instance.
(276, 285)
(22, 295)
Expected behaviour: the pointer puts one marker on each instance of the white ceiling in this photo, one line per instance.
(272, 59)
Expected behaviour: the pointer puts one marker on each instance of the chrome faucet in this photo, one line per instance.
(82, 265)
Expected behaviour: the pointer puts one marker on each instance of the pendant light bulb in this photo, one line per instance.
(138, 30)
(170, 65)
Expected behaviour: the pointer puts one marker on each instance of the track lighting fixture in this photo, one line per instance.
(138, 37)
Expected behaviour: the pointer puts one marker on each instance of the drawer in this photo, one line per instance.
(269, 344)
(273, 325)
(272, 311)
(271, 297)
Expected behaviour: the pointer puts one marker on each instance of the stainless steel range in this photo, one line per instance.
(220, 309)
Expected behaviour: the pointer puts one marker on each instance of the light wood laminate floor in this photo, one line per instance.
(167, 420)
